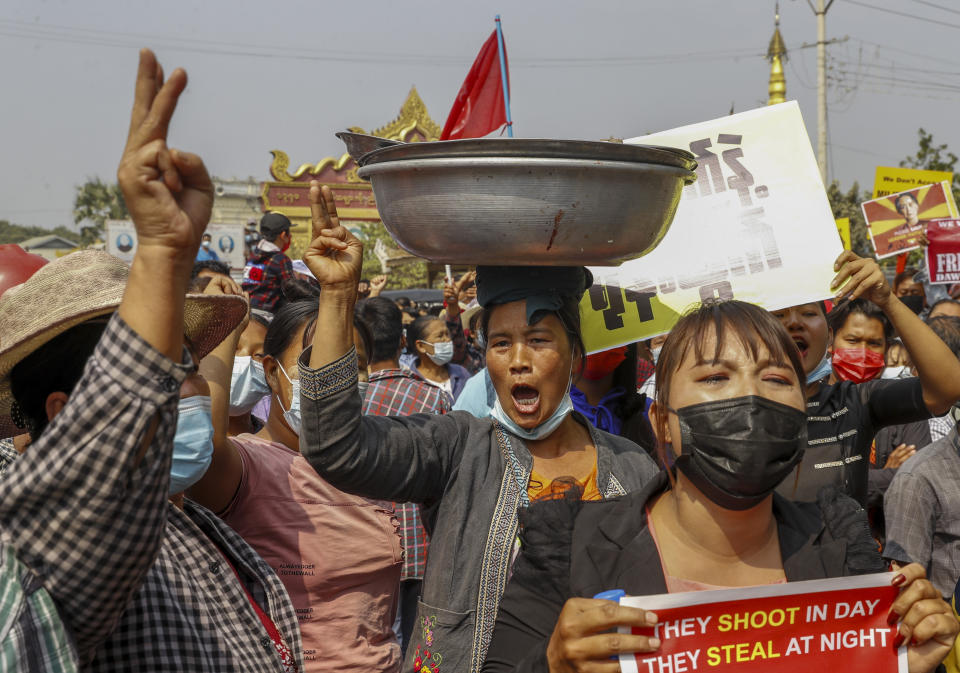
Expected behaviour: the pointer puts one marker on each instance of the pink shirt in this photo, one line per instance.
(338, 555)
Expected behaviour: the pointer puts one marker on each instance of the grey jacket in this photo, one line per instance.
(470, 474)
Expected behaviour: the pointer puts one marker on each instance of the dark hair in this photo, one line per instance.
(386, 326)
(404, 302)
(751, 325)
(940, 302)
(296, 289)
(947, 327)
(906, 274)
(209, 265)
(286, 321)
(840, 314)
(56, 366)
(568, 314)
(416, 331)
(908, 195)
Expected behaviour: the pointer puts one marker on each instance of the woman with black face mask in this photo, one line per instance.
(730, 418)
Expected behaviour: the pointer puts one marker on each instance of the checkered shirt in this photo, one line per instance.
(80, 509)
(400, 392)
(266, 292)
(32, 636)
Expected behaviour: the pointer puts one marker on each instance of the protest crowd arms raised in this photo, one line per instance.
(651, 461)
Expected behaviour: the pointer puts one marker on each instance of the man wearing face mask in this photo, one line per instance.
(847, 402)
(269, 267)
(190, 608)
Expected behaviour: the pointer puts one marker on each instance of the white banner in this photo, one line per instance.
(121, 239)
(227, 243)
(755, 226)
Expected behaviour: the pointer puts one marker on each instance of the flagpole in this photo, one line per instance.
(503, 78)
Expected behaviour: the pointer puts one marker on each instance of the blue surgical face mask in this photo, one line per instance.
(193, 443)
(823, 369)
(442, 352)
(546, 428)
(292, 415)
(247, 385)
(362, 387)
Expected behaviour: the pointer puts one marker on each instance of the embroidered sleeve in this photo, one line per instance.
(339, 375)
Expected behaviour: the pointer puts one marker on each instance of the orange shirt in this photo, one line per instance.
(538, 487)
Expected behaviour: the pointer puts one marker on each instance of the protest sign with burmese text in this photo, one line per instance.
(821, 625)
(756, 226)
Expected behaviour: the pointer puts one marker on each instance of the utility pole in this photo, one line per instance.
(821, 11)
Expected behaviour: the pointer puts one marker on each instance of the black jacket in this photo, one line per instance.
(574, 549)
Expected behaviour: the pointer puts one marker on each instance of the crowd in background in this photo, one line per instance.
(290, 471)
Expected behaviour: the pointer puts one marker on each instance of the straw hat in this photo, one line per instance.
(81, 286)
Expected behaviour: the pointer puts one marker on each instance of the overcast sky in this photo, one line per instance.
(287, 75)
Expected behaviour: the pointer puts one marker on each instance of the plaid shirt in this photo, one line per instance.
(400, 392)
(188, 613)
(264, 275)
(83, 513)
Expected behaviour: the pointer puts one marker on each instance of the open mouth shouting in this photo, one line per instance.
(526, 399)
(802, 345)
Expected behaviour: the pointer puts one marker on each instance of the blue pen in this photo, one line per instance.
(612, 595)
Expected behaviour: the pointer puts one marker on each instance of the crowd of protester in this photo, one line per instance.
(296, 473)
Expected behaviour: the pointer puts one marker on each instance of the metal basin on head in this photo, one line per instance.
(527, 202)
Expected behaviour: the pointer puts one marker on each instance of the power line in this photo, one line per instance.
(933, 4)
(909, 16)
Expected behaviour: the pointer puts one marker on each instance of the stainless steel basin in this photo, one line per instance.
(522, 207)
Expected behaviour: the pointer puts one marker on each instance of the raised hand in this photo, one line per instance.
(168, 192)
(335, 256)
(377, 283)
(860, 277)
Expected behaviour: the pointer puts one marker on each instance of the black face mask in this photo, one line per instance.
(914, 302)
(737, 451)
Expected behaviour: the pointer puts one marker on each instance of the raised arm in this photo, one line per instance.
(85, 506)
(937, 368)
(404, 459)
(218, 485)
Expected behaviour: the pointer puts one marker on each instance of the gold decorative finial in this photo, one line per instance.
(777, 54)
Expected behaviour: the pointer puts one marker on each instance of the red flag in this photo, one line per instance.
(478, 108)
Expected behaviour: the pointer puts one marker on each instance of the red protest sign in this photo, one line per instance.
(943, 251)
(828, 625)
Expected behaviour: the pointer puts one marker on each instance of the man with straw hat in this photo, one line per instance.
(92, 359)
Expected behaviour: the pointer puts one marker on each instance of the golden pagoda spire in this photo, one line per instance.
(777, 54)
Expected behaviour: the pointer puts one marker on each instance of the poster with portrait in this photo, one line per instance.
(226, 240)
(121, 239)
(897, 222)
(943, 251)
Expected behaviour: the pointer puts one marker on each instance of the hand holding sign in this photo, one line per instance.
(579, 641)
(927, 623)
(860, 277)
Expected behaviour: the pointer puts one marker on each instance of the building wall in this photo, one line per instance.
(236, 201)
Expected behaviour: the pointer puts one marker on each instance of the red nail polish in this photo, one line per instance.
(898, 580)
(893, 618)
(898, 641)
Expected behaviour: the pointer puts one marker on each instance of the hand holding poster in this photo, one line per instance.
(943, 251)
(896, 222)
(756, 226)
(822, 625)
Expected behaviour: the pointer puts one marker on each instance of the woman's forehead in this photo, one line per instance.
(734, 348)
(512, 318)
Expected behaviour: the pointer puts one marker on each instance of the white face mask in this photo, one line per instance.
(655, 353)
(442, 352)
(292, 415)
(362, 387)
(897, 372)
(546, 428)
(247, 385)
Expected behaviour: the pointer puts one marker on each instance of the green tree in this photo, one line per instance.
(94, 203)
(847, 204)
(933, 157)
(15, 233)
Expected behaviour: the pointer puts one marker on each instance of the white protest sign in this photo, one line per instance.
(226, 240)
(755, 226)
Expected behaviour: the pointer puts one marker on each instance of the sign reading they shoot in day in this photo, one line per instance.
(756, 226)
(943, 251)
(821, 625)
